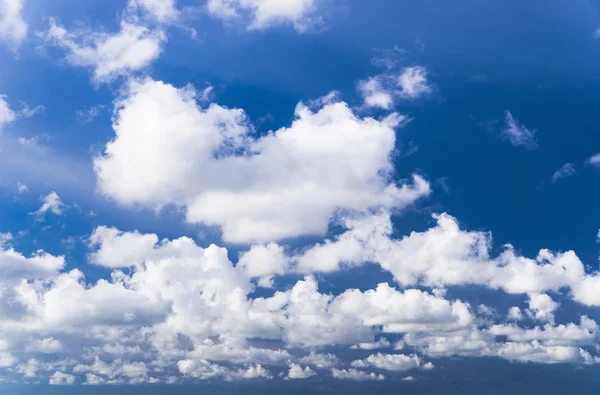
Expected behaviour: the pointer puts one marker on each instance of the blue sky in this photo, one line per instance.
(300, 195)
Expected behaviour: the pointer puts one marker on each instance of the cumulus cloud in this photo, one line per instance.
(59, 378)
(566, 170)
(356, 375)
(13, 29)
(191, 309)
(287, 183)
(394, 362)
(518, 134)
(262, 14)
(297, 372)
(445, 255)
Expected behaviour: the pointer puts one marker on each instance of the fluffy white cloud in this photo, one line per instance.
(297, 372)
(13, 29)
(394, 362)
(59, 378)
(375, 94)
(132, 49)
(264, 262)
(445, 255)
(288, 183)
(117, 249)
(262, 14)
(14, 266)
(186, 307)
(542, 307)
(517, 134)
(356, 375)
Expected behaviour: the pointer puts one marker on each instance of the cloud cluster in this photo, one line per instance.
(288, 183)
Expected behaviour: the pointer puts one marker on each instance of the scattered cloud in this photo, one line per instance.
(566, 170)
(594, 160)
(51, 203)
(517, 134)
(13, 29)
(89, 114)
(263, 14)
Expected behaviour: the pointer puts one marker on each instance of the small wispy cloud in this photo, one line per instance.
(567, 170)
(594, 160)
(518, 134)
(51, 203)
(89, 114)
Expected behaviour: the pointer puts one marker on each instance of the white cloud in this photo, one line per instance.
(374, 93)
(297, 372)
(381, 343)
(288, 183)
(117, 249)
(264, 262)
(517, 134)
(130, 50)
(413, 82)
(51, 203)
(262, 14)
(356, 375)
(163, 11)
(514, 313)
(186, 307)
(566, 170)
(594, 159)
(45, 346)
(394, 362)
(384, 90)
(6, 114)
(13, 29)
(59, 378)
(542, 307)
(22, 188)
(321, 361)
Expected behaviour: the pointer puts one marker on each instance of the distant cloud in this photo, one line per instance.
(7, 115)
(13, 28)
(596, 33)
(413, 82)
(518, 134)
(381, 91)
(567, 170)
(594, 160)
(262, 14)
(51, 203)
(89, 114)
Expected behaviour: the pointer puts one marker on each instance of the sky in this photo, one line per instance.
(301, 196)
